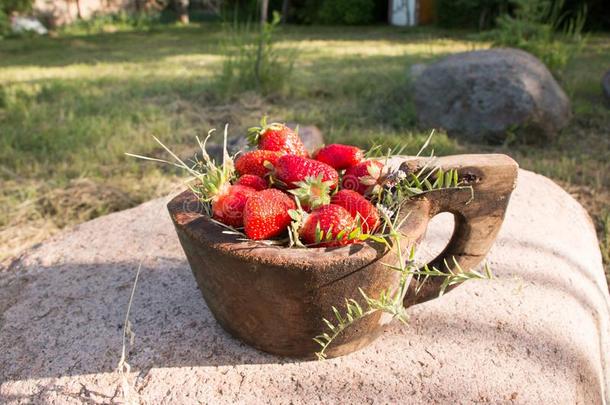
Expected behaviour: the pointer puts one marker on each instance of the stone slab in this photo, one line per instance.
(537, 334)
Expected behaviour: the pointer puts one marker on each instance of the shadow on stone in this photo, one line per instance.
(78, 329)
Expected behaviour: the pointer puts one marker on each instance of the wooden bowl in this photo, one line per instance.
(274, 298)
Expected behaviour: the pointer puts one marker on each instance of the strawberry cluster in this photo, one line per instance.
(323, 200)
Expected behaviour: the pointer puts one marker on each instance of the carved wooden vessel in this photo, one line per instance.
(274, 298)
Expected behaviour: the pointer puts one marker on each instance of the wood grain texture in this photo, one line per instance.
(478, 213)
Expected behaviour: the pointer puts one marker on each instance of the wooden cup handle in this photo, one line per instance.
(478, 213)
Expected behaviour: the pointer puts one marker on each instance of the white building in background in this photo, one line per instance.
(408, 13)
(402, 13)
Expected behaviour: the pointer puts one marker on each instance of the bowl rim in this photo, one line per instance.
(187, 214)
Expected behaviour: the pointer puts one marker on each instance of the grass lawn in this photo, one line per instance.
(71, 106)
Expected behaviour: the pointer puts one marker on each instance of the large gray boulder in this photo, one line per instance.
(536, 334)
(481, 95)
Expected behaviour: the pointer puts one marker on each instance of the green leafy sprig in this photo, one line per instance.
(356, 233)
(391, 302)
(206, 178)
(399, 186)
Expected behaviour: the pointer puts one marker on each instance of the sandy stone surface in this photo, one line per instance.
(537, 334)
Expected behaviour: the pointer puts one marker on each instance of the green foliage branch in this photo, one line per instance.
(542, 28)
(254, 65)
(391, 302)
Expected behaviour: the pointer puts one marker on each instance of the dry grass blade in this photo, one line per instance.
(123, 367)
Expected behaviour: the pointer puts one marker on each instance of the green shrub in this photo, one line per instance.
(350, 12)
(254, 64)
(598, 16)
(479, 14)
(7, 7)
(5, 24)
(304, 11)
(541, 28)
(19, 6)
(482, 14)
(121, 21)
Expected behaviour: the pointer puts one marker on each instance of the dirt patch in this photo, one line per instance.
(52, 209)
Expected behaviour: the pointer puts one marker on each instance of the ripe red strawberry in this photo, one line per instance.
(254, 162)
(325, 224)
(228, 205)
(266, 214)
(291, 169)
(358, 207)
(363, 177)
(276, 137)
(340, 156)
(252, 180)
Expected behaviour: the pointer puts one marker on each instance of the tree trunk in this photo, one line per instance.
(79, 14)
(264, 10)
(285, 10)
(483, 18)
(261, 44)
(182, 8)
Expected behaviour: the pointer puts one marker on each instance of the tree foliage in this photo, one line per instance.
(17, 6)
(542, 28)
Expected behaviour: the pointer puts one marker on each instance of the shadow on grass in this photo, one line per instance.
(124, 47)
(369, 94)
(163, 42)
